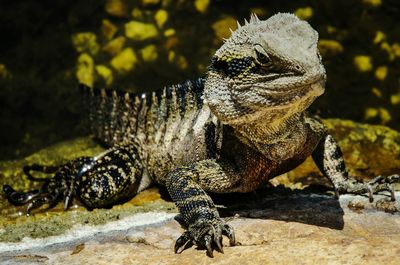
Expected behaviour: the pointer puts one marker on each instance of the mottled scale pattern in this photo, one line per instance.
(113, 176)
(191, 200)
(329, 159)
(170, 127)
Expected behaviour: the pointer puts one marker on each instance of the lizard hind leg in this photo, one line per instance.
(112, 178)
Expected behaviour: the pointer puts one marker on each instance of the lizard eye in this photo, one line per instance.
(262, 58)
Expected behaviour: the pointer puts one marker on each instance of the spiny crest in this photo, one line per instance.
(254, 20)
(241, 35)
(281, 25)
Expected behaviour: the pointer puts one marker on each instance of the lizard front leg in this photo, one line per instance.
(187, 187)
(329, 160)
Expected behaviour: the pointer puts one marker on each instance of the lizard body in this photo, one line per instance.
(242, 124)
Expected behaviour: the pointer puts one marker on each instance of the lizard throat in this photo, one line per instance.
(264, 132)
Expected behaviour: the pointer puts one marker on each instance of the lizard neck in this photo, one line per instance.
(263, 133)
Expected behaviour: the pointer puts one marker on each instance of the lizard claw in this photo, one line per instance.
(218, 244)
(378, 184)
(182, 243)
(206, 234)
(207, 241)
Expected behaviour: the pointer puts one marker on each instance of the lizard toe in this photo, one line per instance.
(374, 186)
(206, 234)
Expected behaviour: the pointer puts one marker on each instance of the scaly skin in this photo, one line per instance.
(232, 131)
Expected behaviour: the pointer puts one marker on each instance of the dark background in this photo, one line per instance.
(40, 103)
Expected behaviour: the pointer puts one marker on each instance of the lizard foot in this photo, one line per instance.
(378, 184)
(205, 234)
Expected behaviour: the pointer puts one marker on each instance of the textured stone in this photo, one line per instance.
(315, 229)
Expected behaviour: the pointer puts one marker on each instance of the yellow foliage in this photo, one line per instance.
(116, 8)
(396, 49)
(386, 47)
(363, 63)
(169, 32)
(330, 47)
(304, 12)
(149, 53)
(3, 71)
(140, 31)
(370, 113)
(105, 73)
(381, 72)
(201, 5)
(115, 46)
(108, 29)
(331, 29)
(85, 42)
(379, 37)
(395, 99)
(125, 61)
(372, 3)
(150, 2)
(171, 56)
(161, 17)
(259, 11)
(137, 13)
(222, 26)
(85, 69)
(384, 115)
(376, 92)
(182, 62)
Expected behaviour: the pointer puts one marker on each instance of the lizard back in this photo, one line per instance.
(170, 128)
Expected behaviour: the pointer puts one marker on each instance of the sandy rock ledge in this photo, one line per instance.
(299, 228)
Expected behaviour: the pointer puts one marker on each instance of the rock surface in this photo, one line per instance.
(298, 229)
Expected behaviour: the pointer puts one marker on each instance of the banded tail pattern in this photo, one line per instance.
(118, 116)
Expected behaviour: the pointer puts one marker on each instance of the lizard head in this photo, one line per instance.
(266, 69)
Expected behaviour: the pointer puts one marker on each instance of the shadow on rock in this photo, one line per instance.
(309, 206)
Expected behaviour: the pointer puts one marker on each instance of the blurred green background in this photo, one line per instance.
(48, 47)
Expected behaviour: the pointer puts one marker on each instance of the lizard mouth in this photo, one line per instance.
(304, 94)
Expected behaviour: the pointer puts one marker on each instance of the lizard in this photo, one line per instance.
(243, 123)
